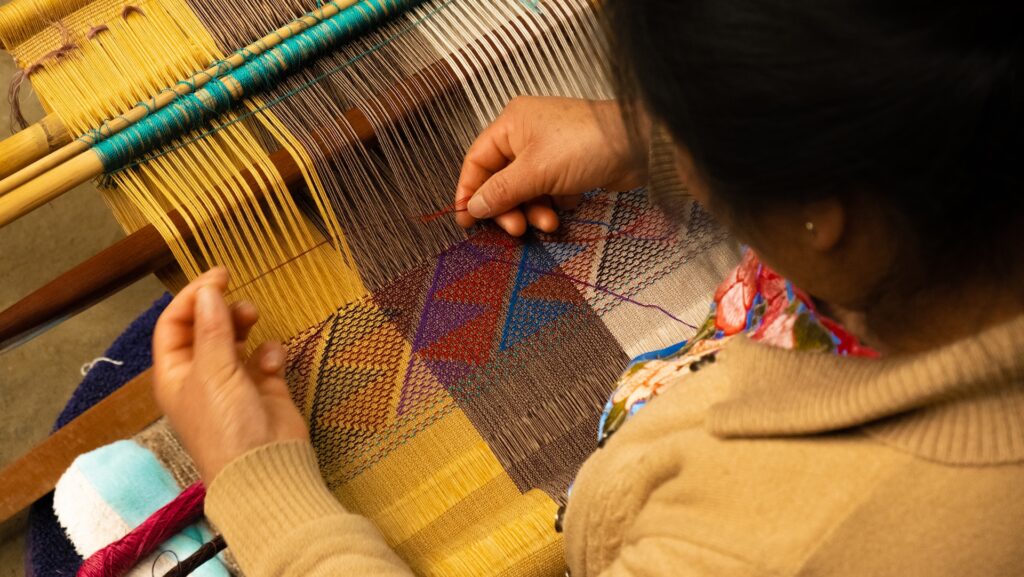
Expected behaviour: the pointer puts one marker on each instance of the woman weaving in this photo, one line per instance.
(863, 417)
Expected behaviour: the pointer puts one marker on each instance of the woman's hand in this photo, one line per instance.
(220, 405)
(544, 150)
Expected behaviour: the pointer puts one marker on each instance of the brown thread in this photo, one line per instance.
(96, 30)
(131, 9)
(17, 119)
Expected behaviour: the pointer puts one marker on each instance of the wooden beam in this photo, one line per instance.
(125, 412)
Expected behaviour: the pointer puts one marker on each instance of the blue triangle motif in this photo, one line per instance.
(528, 317)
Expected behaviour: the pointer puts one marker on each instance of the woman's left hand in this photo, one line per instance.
(219, 404)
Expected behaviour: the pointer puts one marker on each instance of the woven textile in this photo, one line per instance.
(454, 405)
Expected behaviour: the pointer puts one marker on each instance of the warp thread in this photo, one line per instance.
(206, 552)
(257, 75)
(17, 118)
(121, 556)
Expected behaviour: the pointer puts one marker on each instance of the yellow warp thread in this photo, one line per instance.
(277, 258)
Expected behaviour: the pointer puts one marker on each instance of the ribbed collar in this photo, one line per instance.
(962, 403)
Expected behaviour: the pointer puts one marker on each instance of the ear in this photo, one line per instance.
(826, 224)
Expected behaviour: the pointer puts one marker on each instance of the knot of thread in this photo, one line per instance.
(17, 119)
(89, 366)
(122, 555)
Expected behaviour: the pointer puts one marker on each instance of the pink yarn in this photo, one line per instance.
(121, 556)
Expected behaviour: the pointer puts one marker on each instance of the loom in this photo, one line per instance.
(296, 143)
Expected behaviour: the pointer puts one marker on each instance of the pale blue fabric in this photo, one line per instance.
(133, 483)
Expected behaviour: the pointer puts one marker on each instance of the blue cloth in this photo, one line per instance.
(134, 484)
(48, 550)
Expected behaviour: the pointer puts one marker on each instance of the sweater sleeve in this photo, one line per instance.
(278, 518)
(672, 556)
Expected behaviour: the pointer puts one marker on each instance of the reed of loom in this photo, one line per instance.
(185, 113)
(24, 156)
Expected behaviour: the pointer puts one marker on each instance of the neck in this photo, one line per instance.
(914, 321)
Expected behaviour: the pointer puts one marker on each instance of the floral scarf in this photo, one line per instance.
(753, 300)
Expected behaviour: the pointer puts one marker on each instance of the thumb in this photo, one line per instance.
(214, 332)
(506, 189)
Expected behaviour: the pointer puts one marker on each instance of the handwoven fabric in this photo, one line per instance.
(453, 406)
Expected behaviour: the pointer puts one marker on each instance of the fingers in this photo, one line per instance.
(515, 184)
(489, 153)
(513, 222)
(266, 367)
(267, 360)
(541, 216)
(214, 344)
(173, 334)
(244, 315)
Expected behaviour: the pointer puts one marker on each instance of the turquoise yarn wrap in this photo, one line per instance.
(192, 111)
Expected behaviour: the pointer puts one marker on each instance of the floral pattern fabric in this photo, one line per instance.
(754, 300)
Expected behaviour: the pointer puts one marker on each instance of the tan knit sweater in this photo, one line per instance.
(767, 462)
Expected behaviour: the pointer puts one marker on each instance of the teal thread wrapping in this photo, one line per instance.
(192, 111)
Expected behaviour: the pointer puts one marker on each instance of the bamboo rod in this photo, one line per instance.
(24, 147)
(34, 161)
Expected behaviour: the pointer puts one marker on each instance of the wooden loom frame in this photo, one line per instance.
(132, 408)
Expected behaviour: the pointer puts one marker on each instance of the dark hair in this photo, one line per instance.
(919, 103)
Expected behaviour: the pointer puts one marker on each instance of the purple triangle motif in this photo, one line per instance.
(442, 318)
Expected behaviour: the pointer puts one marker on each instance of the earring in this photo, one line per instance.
(809, 226)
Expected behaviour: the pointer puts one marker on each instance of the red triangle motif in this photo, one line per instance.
(471, 343)
(485, 285)
(552, 286)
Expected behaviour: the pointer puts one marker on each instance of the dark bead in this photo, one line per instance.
(559, 517)
(695, 366)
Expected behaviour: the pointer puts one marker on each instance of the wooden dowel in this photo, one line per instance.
(32, 163)
(24, 147)
(122, 414)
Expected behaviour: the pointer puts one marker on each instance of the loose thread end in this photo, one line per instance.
(130, 9)
(17, 117)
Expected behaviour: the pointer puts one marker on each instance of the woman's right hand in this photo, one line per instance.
(543, 151)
